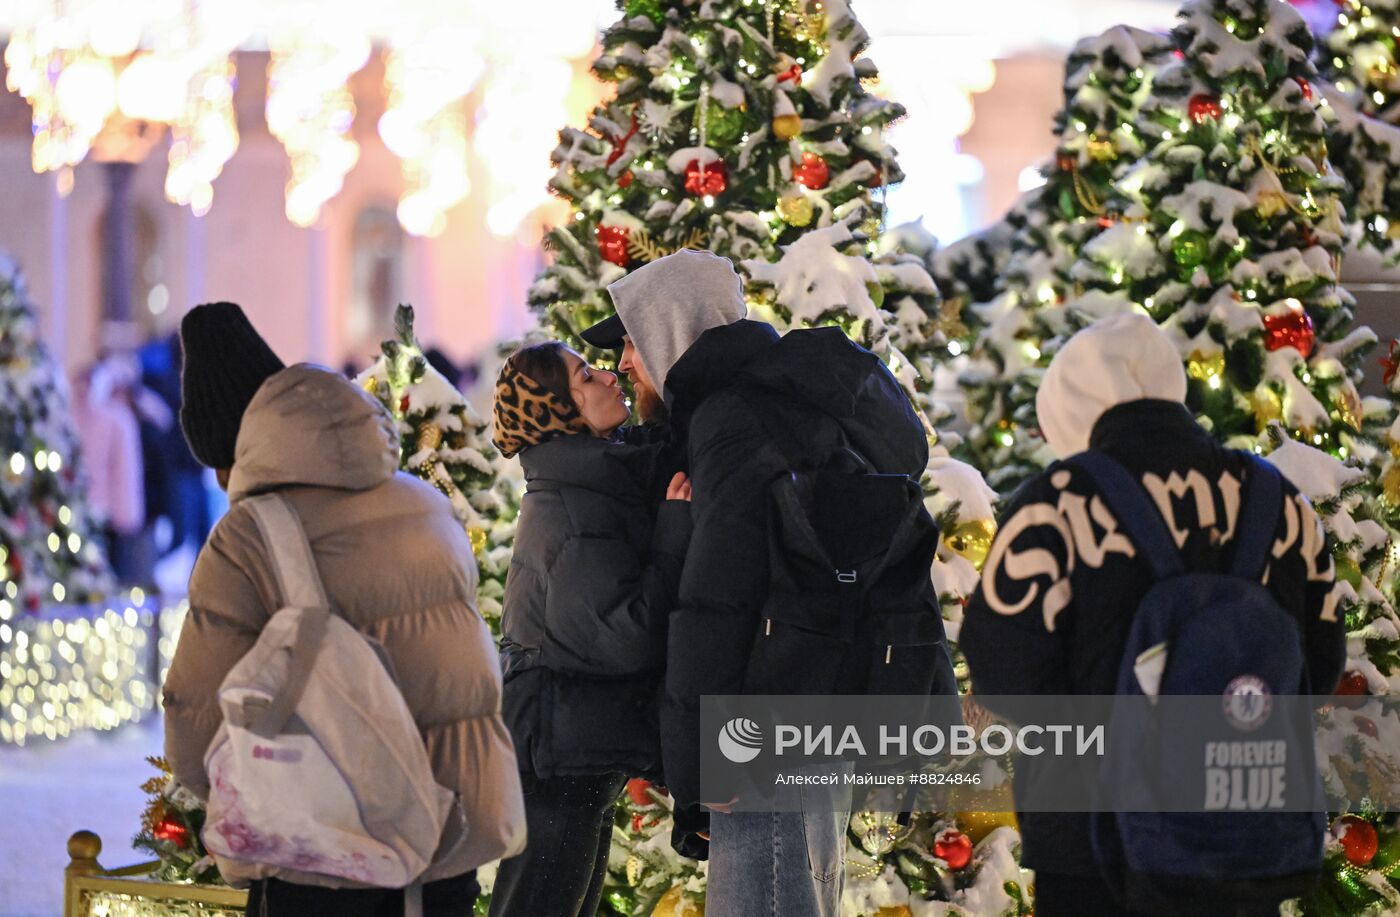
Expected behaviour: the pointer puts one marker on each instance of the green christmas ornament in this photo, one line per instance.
(652, 9)
(1190, 248)
(723, 125)
(877, 294)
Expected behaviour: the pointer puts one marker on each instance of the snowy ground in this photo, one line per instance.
(48, 791)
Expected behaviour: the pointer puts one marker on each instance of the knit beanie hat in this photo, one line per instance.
(226, 361)
(1117, 359)
(527, 414)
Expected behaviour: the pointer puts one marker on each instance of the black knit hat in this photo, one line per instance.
(226, 361)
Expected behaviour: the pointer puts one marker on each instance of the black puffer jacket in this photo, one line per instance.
(1061, 584)
(750, 406)
(591, 582)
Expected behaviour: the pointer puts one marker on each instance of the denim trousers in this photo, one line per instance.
(781, 864)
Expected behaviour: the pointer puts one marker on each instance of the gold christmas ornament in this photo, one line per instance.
(675, 904)
(634, 870)
(1346, 401)
(1390, 484)
(1101, 149)
(1203, 367)
(977, 825)
(795, 209)
(1266, 405)
(878, 832)
(371, 384)
(430, 437)
(642, 247)
(785, 127)
(1271, 203)
(477, 534)
(894, 910)
(973, 540)
(949, 322)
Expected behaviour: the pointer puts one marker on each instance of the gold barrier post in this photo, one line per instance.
(131, 891)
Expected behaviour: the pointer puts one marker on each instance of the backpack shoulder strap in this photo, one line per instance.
(301, 587)
(1259, 514)
(1134, 510)
(289, 551)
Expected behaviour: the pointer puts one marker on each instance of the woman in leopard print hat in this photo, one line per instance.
(592, 581)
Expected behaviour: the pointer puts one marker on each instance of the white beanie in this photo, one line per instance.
(666, 305)
(1116, 360)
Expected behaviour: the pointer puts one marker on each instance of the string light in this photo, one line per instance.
(84, 667)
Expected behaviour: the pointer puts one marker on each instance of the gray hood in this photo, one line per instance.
(666, 305)
(310, 426)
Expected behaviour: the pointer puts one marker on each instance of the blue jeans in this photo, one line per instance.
(781, 864)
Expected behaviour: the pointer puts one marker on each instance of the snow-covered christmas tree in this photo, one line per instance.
(1039, 295)
(445, 442)
(744, 127)
(1358, 57)
(49, 547)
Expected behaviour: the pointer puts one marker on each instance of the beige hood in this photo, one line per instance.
(310, 426)
(1117, 359)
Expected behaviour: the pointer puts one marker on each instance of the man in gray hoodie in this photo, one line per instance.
(747, 407)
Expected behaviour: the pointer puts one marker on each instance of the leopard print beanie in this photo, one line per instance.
(527, 413)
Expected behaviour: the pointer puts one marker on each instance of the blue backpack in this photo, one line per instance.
(1225, 638)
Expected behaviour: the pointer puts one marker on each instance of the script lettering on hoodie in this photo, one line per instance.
(1038, 548)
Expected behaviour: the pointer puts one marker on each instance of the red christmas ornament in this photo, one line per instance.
(625, 179)
(168, 829)
(1366, 726)
(878, 178)
(712, 179)
(1353, 684)
(1105, 222)
(620, 142)
(1178, 54)
(1066, 162)
(31, 604)
(793, 73)
(403, 405)
(1202, 106)
(1357, 837)
(1293, 329)
(954, 848)
(1305, 86)
(813, 173)
(637, 791)
(1390, 363)
(612, 244)
(636, 821)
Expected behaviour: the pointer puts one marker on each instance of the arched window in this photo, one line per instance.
(376, 264)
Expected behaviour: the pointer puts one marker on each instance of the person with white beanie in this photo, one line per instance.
(1063, 580)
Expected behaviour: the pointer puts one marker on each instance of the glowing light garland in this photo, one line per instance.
(79, 667)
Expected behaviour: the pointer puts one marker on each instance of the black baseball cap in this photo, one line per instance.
(606, 335)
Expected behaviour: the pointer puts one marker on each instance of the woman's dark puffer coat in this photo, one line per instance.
(592, 581)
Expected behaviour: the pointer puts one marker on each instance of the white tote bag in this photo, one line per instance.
(318, 767)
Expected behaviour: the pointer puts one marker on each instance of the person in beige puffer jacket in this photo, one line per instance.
(395, 563)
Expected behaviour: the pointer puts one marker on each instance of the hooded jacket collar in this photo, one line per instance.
(584, 460)
(1145, 424)
(820, 367)
(712, 363)
(310, 426)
